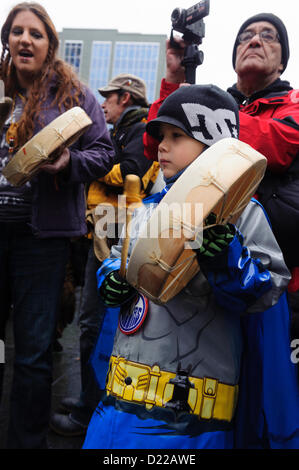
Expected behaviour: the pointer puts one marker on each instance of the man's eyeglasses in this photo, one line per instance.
(266, 35)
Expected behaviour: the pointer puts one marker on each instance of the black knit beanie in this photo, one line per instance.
(204, 112)
(281, 29)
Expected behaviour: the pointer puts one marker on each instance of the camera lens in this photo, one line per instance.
(175, 16)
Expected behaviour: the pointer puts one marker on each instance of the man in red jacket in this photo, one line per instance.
(269, 122)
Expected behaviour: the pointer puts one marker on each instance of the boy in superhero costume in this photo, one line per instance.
(192, 345)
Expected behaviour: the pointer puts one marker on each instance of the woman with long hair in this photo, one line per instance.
(38, 218)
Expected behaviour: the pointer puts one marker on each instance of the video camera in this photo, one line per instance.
(190, 23)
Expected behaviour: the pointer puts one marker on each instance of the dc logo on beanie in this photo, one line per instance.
(209, 126)
(204, 112)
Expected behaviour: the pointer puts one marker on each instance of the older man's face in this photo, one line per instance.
(258, 56)
(113, 107)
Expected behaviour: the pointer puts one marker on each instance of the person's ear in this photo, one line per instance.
(125, 98)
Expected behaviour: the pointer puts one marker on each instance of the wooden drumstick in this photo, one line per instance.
(133, 199)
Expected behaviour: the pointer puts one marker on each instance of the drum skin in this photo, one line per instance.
(61, 132)
(222, 180)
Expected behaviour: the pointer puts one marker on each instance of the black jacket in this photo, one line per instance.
(127, 139)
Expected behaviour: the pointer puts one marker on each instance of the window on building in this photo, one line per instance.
(73, 54)
(138, 58)
(99, 66)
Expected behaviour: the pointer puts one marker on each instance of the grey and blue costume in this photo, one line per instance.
(186, 356)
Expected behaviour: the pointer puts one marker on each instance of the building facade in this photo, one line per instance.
(99, 55)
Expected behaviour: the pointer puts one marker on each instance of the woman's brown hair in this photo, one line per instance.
(54, 72)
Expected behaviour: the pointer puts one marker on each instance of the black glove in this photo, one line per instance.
(215, 239)
(115, 290)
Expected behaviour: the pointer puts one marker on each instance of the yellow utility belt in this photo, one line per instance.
(138, 383)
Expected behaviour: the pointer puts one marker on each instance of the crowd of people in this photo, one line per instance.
(209, 369)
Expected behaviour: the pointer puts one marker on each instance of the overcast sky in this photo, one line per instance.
(153, 16)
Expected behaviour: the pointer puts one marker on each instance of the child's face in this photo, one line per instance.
(176, 149)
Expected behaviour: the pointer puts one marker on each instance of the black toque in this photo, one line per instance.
(204, 112)
(281, 29)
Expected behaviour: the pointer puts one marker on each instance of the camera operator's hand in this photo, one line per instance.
(175, 72)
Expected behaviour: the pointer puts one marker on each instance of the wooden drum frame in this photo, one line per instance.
(61, 132)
